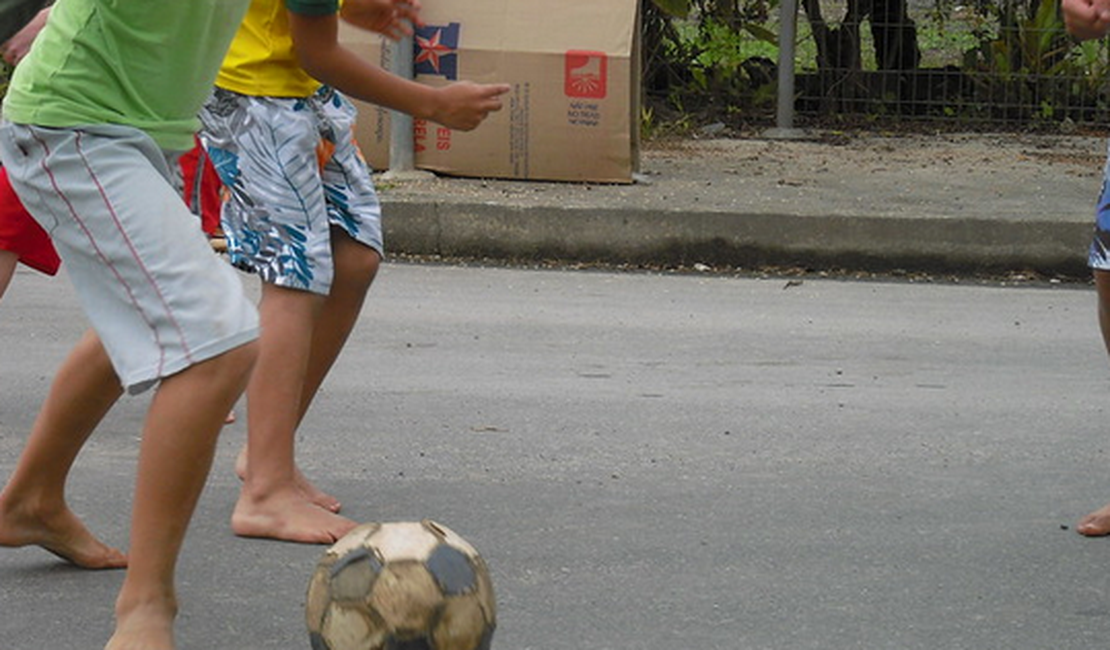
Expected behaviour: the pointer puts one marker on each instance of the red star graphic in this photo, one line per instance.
(431, 49)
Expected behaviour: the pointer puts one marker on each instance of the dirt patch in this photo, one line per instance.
(823, 152)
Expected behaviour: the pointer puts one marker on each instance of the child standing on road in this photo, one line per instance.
(303, 215)
(1088, 19)
(92, 117)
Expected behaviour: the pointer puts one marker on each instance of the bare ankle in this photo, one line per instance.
(145, 623)
(157, 604)
(29, 504)
(29, 514)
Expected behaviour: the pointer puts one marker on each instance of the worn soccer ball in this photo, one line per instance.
(401, 585)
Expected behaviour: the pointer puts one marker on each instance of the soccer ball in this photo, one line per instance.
(401, 586)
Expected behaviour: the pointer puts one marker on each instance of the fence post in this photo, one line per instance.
(402, 164)
(788, 30)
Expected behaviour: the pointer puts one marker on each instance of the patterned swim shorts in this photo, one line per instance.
(293, 171)
(1098, 257)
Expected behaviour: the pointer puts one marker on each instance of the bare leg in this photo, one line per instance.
(8, 261)
(271, 502)
(33, 509)
(1097, 523)
(179, 441)
(356, 266)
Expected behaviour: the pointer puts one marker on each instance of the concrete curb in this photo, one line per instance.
(683, 238)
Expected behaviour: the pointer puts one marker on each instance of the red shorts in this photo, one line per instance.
(201, 188)
(22, 235)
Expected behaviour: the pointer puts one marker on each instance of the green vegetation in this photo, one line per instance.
(997, 63)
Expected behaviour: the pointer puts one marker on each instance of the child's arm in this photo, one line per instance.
(15, 48)
(14, 14)
(1086, 19)
(461, 105)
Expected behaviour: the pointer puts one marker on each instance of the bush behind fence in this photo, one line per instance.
(989, 64)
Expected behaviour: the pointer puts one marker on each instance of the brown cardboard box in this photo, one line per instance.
(572, 113)
(372, 129)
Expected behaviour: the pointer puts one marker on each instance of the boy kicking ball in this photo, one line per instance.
(303, 215)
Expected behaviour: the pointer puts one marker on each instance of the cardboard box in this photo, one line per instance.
(573, 111)
(372, 131)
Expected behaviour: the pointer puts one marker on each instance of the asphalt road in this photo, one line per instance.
(654, 462)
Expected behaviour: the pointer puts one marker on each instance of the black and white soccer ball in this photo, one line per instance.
(411, 585)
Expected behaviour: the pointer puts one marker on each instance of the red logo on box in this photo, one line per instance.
(443, 139)
(421, 131)
(587, 74)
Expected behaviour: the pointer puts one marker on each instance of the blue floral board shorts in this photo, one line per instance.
(292, 171)
(1098, 257)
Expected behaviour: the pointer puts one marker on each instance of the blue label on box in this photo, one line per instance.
(436, 50)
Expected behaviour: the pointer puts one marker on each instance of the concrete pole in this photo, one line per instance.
(788, 30)
(402, 158)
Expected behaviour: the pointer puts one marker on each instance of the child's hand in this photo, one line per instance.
(393, 18)
(1086, 19)
(465, 104)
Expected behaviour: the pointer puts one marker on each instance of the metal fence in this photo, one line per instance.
(886, 63)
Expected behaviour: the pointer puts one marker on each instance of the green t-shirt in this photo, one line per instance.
(149, 64)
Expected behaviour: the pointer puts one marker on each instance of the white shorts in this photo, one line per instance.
(155, 293)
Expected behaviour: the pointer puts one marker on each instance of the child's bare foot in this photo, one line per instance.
(311, 492)
(317, 496)
(148, 627)
(59, 532)
(289, 516)
(1096, 524)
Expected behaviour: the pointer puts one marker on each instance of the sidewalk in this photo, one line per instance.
(943, 203)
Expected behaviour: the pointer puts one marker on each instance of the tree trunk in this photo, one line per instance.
(895, 36)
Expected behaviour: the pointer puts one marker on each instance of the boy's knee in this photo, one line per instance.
(368, 263)
(236, 364)
(246, 355)
(1102, 285)
(358, 266)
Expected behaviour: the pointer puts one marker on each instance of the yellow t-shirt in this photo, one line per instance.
(261, 61)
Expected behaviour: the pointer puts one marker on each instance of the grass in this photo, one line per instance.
(944, 43)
